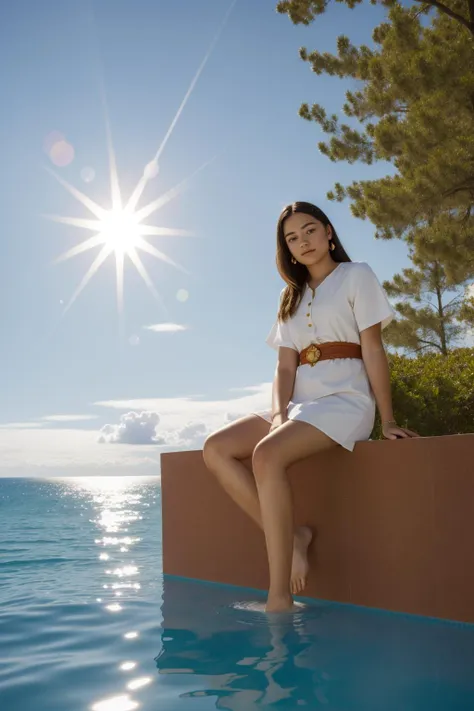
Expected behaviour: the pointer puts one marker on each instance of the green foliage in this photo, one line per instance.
(416, 109)
(428, 321)
(447, 238)
(432, 394)
(467, 309)
(304, 11)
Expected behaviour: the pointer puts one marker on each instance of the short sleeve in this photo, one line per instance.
(369, 300)
(279, 336)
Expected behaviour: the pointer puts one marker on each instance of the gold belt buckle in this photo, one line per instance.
(313, 354)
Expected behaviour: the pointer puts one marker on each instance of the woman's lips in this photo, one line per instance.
(310, 251)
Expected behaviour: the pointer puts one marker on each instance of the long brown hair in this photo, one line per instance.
(296, 275)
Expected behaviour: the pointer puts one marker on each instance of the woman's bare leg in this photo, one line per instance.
(223, 452)
(223, 455)
(272, 456)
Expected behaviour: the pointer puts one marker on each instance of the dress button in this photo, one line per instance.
(308, 314)
(309, 325)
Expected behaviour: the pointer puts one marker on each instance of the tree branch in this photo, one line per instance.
(456, 298)
(430, 343)
(471, 10)
(447, 10)
(458, 189)
(428, 302)
(467, 216)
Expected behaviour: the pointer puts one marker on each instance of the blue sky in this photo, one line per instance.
(65, 376)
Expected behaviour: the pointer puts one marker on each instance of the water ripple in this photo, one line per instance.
(20, 563)
(88, 623)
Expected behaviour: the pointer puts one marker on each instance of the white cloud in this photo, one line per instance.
(133, 428)
(232, 416)
(140, 428)
(193, 430)
(183, 422)
(248, 389)
(157, 424)
(69, 418)
(20, 425)
(191, 436)
(176, 412)
(166, 327)
(47, 418)
(70, 452)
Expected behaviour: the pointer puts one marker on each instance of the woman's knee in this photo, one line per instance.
(211, 448)
(216, 447)
(264, 459)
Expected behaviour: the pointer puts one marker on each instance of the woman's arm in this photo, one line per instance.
(283, 384)
(376, 365)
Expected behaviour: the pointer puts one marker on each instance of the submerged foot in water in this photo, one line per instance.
(279, 604)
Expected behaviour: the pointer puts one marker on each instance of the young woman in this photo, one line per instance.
(331, 373)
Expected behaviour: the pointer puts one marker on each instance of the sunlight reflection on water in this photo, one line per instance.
(72, 642)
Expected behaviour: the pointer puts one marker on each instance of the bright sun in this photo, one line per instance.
(120, 230)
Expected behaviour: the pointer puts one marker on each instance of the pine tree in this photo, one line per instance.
(305, 11)
(416, 106)
(429, 310)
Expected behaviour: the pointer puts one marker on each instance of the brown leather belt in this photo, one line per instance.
(326, 351)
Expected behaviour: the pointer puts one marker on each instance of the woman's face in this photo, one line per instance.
(307, 238)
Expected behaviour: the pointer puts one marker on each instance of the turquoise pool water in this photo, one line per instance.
(88, 622)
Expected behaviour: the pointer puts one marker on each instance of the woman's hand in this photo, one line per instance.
(392, 431)
(277, 421)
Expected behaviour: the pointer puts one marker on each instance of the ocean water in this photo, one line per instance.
(88, 622)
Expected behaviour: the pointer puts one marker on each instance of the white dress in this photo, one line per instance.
(335, 395)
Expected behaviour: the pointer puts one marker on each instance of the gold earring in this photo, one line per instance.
(293, 260)
(332, 246)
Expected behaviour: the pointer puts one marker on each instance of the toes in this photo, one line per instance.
(297, 585)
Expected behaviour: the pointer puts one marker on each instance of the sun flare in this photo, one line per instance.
(120, 230)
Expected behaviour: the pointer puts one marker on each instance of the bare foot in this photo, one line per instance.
(300, 565)
(279, 604)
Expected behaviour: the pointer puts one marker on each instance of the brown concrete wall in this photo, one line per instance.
(394, 520)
